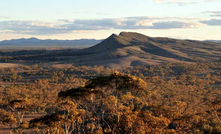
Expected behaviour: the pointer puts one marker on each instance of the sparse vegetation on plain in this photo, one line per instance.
(169, 98)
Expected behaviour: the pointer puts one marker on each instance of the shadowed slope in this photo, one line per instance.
(131, 49)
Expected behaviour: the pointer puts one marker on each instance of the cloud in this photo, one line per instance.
(102, 13)
(75, 25)
(178, 2)
(212, 22)
(32, 27)
(175, 24)
(89, 12)
(212, 0)
(214, 13)
(159, 1)
(4, 17)
(184, 2)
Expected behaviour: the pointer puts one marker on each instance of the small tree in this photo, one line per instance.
(7, 118)
(72, 116)
(19, 107)
(103, 99)
(49, 122)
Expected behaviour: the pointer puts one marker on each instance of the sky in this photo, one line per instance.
(98, 19)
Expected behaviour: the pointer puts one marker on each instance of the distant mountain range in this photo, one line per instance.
(49, 42)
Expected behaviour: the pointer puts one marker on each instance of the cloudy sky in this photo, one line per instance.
(75, 19)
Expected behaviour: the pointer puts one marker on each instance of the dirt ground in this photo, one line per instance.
(6, 65)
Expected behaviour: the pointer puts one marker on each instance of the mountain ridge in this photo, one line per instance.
(131, 49)
(48, 42)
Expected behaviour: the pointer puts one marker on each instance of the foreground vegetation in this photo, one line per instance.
(168, 98)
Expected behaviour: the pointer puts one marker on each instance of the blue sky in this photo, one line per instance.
(74, 19)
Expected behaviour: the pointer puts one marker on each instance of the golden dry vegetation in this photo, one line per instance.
(167, 98)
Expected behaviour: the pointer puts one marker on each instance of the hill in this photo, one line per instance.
(132, 49)
(125, 50)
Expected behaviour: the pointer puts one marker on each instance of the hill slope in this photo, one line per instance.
(131, 49)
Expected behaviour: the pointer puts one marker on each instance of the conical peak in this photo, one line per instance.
(114, 35)
(114, 38)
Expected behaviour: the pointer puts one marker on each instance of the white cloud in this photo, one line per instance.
(75, 25)
(175, 24)
(212, 0)
(4, 17)
(178, 2)
(212, 22)
(214, 13)
(159, 1)
(32, 27)
(145, 23)
(184, 2)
